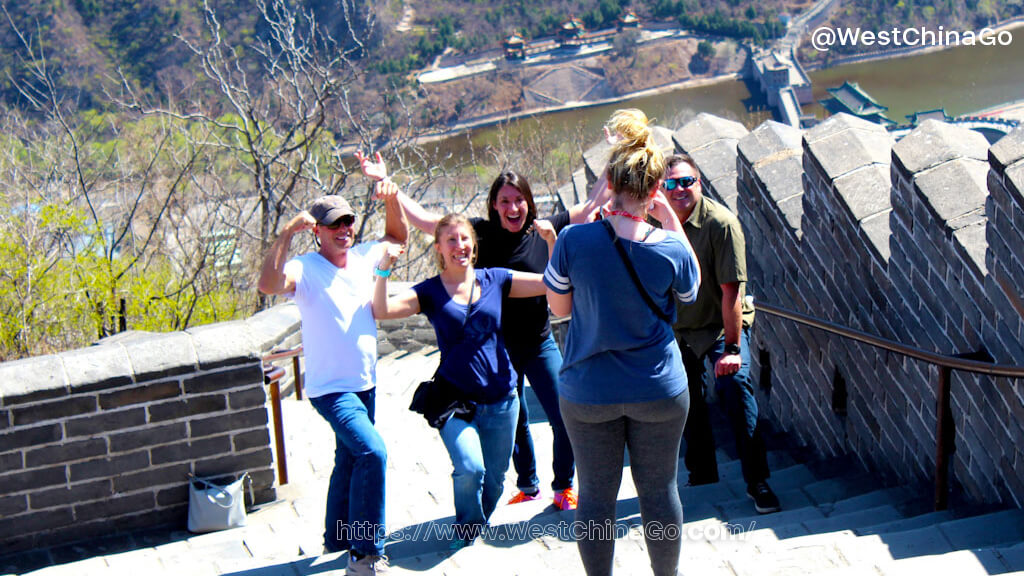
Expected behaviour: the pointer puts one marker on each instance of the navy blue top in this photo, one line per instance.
(617, 350)
(474, 358)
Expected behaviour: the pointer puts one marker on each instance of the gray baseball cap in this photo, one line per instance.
(328, 209)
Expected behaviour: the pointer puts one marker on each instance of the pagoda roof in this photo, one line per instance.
(855, 100)
(935, 114)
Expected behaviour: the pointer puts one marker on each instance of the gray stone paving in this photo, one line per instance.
(285, 537)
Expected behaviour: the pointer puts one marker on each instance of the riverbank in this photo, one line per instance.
(494, 120)
(488, 121)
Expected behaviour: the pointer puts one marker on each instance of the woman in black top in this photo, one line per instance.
(511, 238)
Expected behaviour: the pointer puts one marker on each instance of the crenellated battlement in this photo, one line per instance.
(917, 241)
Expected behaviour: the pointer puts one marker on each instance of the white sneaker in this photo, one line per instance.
(367, 566)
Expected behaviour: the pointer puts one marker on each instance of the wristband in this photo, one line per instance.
(731, 349)
(382, 273)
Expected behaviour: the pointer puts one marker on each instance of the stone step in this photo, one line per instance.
(910, 552)
(910, 523)
(810, 559)
(743, 506)
(895, 497)
(789, 478)
(854, 519)
(840, 488)
(1012, 556)
(784, 524)
(961, 562)
(985, 530)
(929, 541)
(732, 469)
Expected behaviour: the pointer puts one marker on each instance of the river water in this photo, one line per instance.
(961, 80)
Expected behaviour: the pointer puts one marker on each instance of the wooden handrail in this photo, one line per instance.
(294, 354)
(273, 375)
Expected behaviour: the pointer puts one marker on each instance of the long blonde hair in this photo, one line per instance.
(636, 165)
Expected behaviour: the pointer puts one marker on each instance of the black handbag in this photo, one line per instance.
(438, 399)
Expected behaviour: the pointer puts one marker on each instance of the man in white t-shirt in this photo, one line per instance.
(333, 288)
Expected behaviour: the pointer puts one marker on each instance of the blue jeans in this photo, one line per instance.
(541, 367)
(480, 452)
(736, 394)
(354, 518)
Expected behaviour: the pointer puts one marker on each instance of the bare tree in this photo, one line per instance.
(124, 190)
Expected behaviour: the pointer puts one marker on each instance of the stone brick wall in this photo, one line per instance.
(916, 241)
(410, 333)
(99, 440)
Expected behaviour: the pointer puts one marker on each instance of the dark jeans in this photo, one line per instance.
(736, 396)
(355, 497)
(601, 433)
(541, 367)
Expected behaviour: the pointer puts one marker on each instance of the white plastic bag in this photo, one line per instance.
(213, 507)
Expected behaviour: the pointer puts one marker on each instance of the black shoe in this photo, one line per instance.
(765, 501)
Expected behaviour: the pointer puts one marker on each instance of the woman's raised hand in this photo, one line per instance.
(385, 190)
(391, 253)
(373, 169)
(609, 137)
(546, 230)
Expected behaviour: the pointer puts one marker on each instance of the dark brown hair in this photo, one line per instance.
(518, 182)
(679, 158)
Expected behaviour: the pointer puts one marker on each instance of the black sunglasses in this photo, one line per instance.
(684, 182)
(347, 220)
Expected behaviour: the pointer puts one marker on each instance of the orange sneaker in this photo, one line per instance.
(566, 499)
(524, 497)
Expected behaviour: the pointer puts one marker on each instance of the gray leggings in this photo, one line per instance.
(600, 434)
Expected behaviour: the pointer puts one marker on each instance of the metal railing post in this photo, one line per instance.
(273, 375)
(944, 437)
(298, 377)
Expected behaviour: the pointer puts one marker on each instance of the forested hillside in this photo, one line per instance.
(89, 42)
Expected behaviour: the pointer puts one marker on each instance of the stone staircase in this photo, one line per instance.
(836, 519)
(830, 524)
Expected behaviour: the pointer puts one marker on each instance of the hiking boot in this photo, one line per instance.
(368, 565)
(765, 501)
(524, 497)
(566, 499)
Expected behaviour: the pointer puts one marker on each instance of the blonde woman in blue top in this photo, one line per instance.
(622, 385)
(464, 306)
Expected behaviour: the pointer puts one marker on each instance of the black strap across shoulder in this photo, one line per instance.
(632, 274)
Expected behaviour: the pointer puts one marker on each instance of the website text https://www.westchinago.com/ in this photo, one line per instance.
(824, 38)
(568, 531)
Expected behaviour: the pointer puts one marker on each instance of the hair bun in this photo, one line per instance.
(631, 125)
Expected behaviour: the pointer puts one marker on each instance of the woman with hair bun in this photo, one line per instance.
(623, 387)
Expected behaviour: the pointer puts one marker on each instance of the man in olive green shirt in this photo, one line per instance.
(716, 327)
